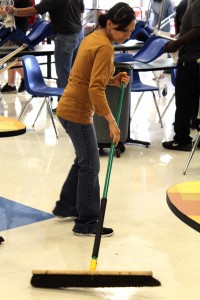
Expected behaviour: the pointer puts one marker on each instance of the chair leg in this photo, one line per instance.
(192, 153)
(158, 111)
(137, 104)
(24, 108)
(166, 108)
(41, 107)
(158, 83)
(48, 99)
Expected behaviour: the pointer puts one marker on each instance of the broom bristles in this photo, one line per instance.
(92, 279)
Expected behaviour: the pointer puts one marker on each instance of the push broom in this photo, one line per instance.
(93, 278)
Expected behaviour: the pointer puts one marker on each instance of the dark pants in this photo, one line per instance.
(187, 91)
(80, 194)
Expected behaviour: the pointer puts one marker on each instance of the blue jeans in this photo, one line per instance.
(80, 194)
(66, 47)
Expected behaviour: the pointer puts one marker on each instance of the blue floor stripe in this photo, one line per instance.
(13, 214)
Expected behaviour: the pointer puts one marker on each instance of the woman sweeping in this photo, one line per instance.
(85, 95)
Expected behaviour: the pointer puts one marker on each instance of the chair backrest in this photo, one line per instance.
(143, 24)
(15, 35)
(39, 32)
(136, 78)
(140, 34)
(153, 48)
(123, 57)
(33, 78)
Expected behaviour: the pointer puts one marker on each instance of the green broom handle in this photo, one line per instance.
(93, 263)
(111, 154)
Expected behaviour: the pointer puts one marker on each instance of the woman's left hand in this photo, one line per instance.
(121, 77)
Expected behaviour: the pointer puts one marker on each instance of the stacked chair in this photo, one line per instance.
(39, 32)
(33, 78)
(141, 32)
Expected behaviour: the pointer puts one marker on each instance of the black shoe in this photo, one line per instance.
(172, 145)
(105, 232)
(8, 89)
(21, 87)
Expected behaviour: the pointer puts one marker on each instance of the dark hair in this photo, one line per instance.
(120, 14)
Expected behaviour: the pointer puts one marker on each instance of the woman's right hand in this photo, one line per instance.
(114, 132)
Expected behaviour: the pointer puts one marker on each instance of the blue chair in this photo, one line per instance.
(137, 85)
(38, 33)
(141, 32)
(36, 86)
(143, 24)
(153, 48)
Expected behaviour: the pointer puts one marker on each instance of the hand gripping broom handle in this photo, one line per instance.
(97, 240)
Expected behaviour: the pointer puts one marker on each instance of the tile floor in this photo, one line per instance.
(148, 236)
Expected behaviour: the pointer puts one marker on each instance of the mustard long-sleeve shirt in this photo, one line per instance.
(91, 72)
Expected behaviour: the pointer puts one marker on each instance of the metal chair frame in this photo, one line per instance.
(36, 86)
(192, 152)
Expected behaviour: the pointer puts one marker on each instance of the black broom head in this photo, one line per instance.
(92, 279)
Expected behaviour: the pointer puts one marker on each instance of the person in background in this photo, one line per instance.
(167, 10)
(83, 96)
(180, 10)
(22, 23)
(66, 22)
(32, 19)
(187, 88)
